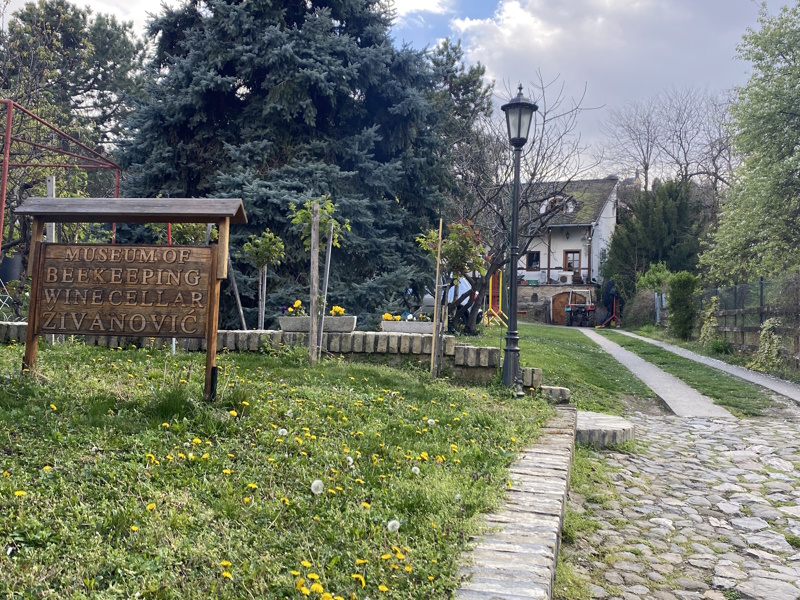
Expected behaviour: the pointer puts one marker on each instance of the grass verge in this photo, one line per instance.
(589, 481)
(737, 358)
(568, 358)
(338, 481)
(742, 398)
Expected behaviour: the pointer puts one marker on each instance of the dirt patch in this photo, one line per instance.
(646, 406)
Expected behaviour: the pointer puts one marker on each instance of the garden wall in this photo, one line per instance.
(464, 361)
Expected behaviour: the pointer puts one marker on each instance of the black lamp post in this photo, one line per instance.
(519, 114)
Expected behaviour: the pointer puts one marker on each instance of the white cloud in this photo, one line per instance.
(408, 7)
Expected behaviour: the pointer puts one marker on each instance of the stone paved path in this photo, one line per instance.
(703, 510)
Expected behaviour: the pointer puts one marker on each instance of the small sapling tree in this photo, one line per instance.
(264, 251)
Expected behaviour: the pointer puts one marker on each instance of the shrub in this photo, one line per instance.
(682, 286)
(768, 357)
(655, 279)
(640, 310)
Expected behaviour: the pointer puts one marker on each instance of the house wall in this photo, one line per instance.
(583, 238)
(567, 238)
(603, 231)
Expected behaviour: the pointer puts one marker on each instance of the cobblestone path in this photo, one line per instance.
(704, 508)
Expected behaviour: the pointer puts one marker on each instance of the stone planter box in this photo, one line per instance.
(407, 326)
(344, 324)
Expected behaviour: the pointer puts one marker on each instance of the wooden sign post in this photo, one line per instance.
(128, 290)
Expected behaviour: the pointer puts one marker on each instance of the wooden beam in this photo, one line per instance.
(134, 210)
(224, 236)
(37, 232)
(209, 390)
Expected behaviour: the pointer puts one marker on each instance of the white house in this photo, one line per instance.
(569, 250)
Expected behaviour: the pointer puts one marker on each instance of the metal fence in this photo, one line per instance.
(743, 308)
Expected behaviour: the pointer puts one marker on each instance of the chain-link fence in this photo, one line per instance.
(743, 308)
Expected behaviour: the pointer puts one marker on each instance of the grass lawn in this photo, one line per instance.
(733, 358)
(568, 358)
(740, 397)
(343, 481)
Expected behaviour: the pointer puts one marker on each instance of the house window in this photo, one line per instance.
(572, 260)
(532, 261)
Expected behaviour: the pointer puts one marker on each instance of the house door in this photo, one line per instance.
(559, 302)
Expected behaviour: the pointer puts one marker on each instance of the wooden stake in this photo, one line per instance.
(436, 302)
(314, 281)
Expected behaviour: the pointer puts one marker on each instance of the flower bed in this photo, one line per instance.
(344, 324)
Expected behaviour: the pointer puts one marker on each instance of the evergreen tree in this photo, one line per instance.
(661, 225)
(280, 103)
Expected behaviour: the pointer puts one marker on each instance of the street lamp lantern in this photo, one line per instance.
(519, 114)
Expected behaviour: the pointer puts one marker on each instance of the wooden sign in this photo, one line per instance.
(120, 290)
(137, 291)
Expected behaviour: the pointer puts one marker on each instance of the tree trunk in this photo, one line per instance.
(314, 280)
(262, 280)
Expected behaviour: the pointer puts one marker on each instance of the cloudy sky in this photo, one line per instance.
(617, 50)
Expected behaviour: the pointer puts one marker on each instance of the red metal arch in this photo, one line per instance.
(84, 157)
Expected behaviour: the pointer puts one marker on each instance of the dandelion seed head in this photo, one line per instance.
(393, 525)
(415, 470)
(316, 487)
(431, 422)
(282, 432)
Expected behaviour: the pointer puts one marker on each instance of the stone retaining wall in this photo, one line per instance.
(468, 362)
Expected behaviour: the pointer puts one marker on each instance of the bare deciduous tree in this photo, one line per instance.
(551, 160)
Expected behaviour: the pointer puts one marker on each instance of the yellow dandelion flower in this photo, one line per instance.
(365, 504)
(225, 563)
(305, 591)
(252, 486)
(151, 506)
(313, 576)
(6, 474)
(232, 413)
(53, 406)
(285, 501)
(205, 456)
(326, 596)
(227, 471)
(299, 583)
(134, 528)
(361, 561)
(386, 556)
(383, 588)
(165, 425)
(317, 588)
(295, 573)
(20, 493)
(246, 499)
(227, 575)
(408, 568)
(197, 441)
(400, 555)
(360, 578)
(47, 468)
(430, 577)
(305, 563)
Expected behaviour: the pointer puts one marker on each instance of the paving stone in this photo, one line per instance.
(759, 588)
(750, 523)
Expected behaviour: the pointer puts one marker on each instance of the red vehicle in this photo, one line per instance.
(580, 309)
